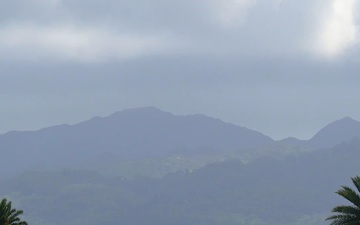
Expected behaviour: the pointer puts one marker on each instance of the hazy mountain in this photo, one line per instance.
(294, 189)
(336, 133)
(148, 141)
(158, 167)
(130, 134)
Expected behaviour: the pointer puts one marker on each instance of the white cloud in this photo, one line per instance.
(338, 30)
(231, 13)
(29, 42)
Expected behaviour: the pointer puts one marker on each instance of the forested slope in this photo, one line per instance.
(266, 191)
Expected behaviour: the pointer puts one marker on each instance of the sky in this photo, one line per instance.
(282, 67)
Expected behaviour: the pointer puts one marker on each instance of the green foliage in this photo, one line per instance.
(9, 215)
(348, 215)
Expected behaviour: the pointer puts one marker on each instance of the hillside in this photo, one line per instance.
(292, 190)
(335, 133)
(150, 142)
(135, 134)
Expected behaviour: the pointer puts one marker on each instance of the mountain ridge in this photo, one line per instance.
(332, 134)
(131, 134)
(150, 133)
(336, 132)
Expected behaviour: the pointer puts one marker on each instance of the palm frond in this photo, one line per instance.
(356, 182)
(350, 195)
(9, 215)
(347, 215)
(349, 210)
(341, 219)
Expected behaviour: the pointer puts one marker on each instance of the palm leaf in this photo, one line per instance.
(356, 182)
(350, 195)
(347, 215)
(349, 210)
(343, 220)
(9, 215)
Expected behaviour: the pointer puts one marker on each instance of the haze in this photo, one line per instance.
(188, 112)
(282, 67)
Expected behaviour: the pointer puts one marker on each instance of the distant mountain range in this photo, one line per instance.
(207, 171)
(149, 133)
(130, 134)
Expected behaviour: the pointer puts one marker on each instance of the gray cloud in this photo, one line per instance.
(256, 63)
(235, 27)
(279, 98)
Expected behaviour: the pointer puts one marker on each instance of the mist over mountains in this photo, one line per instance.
(151, 134)
(292, 190)
(130, 135)
(175, 170)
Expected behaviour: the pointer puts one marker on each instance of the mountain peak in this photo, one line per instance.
(148, 109)
(141, 111)
(140, 133)
(336, 132)
(343, 124)
(346, 119)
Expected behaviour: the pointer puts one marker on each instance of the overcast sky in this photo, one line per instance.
(282, 67)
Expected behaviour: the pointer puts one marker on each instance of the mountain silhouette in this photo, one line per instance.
(130, 134)
(335, 133)
(150, 133)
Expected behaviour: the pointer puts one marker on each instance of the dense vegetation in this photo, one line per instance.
(10, 215)
(348, 214)
(291, 190)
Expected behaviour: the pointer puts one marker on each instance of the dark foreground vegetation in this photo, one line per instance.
(348, 214)
(10, 215)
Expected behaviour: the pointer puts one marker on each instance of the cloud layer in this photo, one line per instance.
(82, 44)
(92, 30)
(284, 67)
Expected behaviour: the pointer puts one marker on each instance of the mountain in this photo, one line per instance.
(335, 133)
(140, 133)
(292, 189)
(148, 141)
